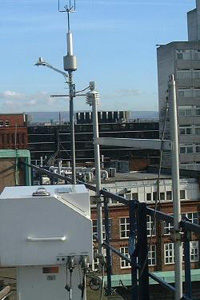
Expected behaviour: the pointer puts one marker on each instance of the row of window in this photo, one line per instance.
(188, 74)
(189, 129)
(188, 54)
(4, 123)
(12, 139)
(188, 111)
(153, 196)
(190, 148)
(188, 92)
(168, 254)
(191, 166)
(124, 225)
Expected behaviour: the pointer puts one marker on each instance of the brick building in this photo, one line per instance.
(143, 186)
(13, 131)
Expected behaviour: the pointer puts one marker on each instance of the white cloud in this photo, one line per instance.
(12, 101)
(10, 95)
(125, 93)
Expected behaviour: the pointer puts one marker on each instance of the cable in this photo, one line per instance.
(157, 200)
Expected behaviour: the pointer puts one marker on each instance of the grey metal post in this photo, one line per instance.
(72, 131)
(97, 170)
(175, 187)
(108, 251)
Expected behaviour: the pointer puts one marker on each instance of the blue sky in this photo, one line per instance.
(114, 41)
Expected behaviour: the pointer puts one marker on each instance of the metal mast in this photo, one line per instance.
(175, 187)
(70, 65)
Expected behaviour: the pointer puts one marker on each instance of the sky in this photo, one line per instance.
(114, 41)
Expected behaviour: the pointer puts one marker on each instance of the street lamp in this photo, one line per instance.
(42, 62)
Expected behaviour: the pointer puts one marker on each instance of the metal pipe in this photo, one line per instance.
(72, 130)
(108, 251)
(97, 171)
(175, 187)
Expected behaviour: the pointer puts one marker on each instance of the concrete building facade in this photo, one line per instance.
(183, 60)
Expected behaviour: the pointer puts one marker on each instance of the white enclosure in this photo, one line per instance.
(40, 231)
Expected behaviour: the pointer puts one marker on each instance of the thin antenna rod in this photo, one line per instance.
(70, 7)
(68, 21)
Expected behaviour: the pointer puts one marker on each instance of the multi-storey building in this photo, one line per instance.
(143, 187)
(13, 131)
(183, 60)
(54, 140)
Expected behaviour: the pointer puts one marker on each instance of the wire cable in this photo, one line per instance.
(157, 200)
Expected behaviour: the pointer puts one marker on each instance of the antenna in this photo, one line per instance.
(67, 8)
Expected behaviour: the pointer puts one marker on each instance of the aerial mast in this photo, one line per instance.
(70, 65)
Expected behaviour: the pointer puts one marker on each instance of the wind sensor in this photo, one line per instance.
(70, 7)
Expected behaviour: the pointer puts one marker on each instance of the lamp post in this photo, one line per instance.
(42, 62)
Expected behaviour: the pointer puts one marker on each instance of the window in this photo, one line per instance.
(185, 93)
(194, 251)
(169, 195)
(95, 228)
(128, 196)
(168, 227)
(197, 130)
(152, 255)
(193, 217)
(196, 92)
(182, 194)
(197, 147)
(196, 54)
(185, 111)
(162, 196)
(150, 230)
(183, 54)
(1, 123)
(135, 196)
(197, 110)
(184, 74)
(179, 55)
(187, 148)
(123, 263)
(169, 253)
(148, 196)
(185, 130)
(7, 122)
(155, 197)
(124, 224)
(196, 74)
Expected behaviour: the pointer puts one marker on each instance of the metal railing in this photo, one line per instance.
(138, 260)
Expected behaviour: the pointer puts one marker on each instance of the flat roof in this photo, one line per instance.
(168, 276)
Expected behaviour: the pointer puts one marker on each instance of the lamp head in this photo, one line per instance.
(40, 62)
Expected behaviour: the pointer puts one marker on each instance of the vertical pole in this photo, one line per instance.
(143, 252)
(72, 131)
(108, 252)
(132, 211)
(175, 187)
(188, 286)
(97, 171)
